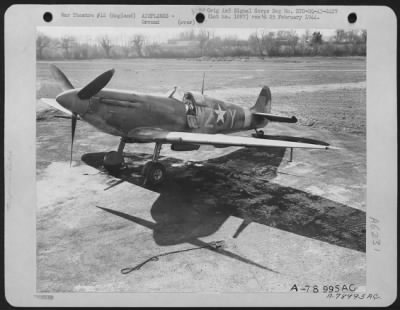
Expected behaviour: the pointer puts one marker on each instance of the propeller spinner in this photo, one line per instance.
(77, 100)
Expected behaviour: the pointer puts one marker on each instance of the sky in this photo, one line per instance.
(87, 34)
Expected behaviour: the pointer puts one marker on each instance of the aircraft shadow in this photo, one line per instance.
(196, 200)
(156, 227)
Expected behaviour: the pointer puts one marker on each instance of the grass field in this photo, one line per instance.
(283, 223)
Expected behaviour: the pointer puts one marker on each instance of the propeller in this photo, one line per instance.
(73, 126)
(61, 78)
(96, 85)
(66, 116)
(69, 99)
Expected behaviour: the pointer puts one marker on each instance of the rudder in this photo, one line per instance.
(263, 103)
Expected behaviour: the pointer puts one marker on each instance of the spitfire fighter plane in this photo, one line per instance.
(183, 120)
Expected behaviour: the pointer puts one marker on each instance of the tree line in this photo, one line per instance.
(204, 43)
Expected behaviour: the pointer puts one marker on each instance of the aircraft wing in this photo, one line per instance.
(52, 102)
(162, 136)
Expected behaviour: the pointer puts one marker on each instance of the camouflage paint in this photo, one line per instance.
(119, 112)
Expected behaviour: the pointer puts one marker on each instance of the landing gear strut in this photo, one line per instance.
(153, 171)
(114, 161)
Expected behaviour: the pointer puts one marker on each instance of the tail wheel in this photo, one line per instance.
(154, 173)
(260, 133)
(113, 161)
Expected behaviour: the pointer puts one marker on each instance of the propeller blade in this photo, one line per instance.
(96, 85)
(73, 126)
(60, 77)
(66, 116)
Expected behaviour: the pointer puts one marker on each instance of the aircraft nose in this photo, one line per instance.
(66, 99)
(70, 100)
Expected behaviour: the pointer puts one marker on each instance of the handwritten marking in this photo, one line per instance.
(375, 233)
(356, 296)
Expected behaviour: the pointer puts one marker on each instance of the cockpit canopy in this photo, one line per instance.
(178, 94)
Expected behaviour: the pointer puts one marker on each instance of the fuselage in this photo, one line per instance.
(119, 112)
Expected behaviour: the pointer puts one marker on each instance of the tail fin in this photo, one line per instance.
(263, 103)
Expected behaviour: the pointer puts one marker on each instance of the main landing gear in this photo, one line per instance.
(153, 171)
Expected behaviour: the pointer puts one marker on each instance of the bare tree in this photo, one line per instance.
(286, 41)
(106, 44)
(153, 50)
(84, 50)
(204, 43)
(266, 44)
(316, 38)
(125, 50)
(364, 36)
(137, 43)
(255, 41)
(66, 43)
(42, 42)
(187, 35)
(204, 38)
(340, 35)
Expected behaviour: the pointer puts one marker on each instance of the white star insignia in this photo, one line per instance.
(220, 114)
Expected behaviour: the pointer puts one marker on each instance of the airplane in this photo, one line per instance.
(185, 120)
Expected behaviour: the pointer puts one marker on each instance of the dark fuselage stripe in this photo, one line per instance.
(121, 103)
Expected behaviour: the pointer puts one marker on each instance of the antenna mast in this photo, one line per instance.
(202, 86)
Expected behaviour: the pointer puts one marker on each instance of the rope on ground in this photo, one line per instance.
(212, 245)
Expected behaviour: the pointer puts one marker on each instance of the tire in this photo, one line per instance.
(113, 161)
(260, 133)
(155, 173)
(146, 168)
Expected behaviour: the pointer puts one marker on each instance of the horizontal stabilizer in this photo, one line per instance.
(276, 118)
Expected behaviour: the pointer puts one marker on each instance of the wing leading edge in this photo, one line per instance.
(162, 136)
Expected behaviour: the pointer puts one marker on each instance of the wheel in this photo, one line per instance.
(146, 168)
(113, 161)
(155, 173)
(260, 133)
